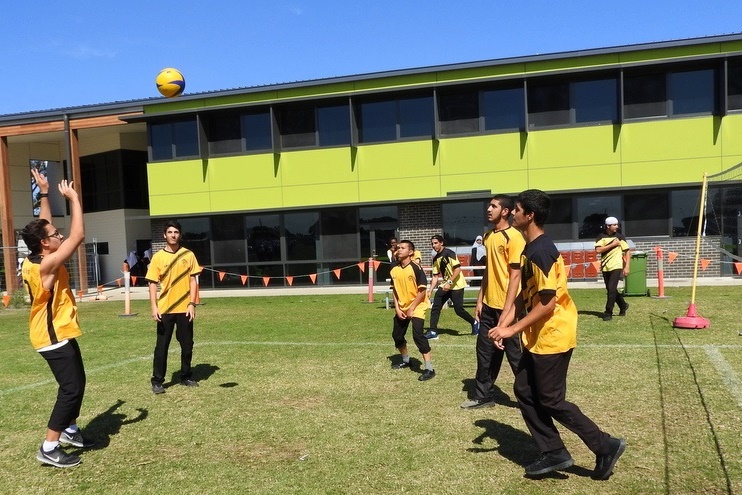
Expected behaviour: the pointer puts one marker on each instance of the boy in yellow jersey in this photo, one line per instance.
(500, 284)
(615, 260)
(53, 324)
(449, 283)
(175, 268)
(549, 335)
(410, 303)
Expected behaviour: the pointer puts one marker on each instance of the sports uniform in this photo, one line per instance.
(444, 264)
(173, 271)
(407, 282)
(611, 265)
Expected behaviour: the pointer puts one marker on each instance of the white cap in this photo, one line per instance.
(611, 221)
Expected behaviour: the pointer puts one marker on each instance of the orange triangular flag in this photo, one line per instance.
(362, 266)
(221, 276)
(133, 280)
(118, 282)
(290, 280)
(336, 271)
(704, 263)
(671, 256)
(596, 265)
(313, 277)
(738, 268)
(244, 279)
(266, 280)
(376, 264)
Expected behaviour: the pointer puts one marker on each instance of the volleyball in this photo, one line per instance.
(170, 82)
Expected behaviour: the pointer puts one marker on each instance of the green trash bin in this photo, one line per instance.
(636, 282)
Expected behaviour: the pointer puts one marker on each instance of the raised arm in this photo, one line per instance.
(43, 184)
(51, 262)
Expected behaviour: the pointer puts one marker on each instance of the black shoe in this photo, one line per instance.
(555, 460)
(401, 365)
(157, 388)
(478, 403)
(624, 310)
(607, 317)
(604, 464)
(75, 439)
(426, 375)
(189, 383)
(57, 457)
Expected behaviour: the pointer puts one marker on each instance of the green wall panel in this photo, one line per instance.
(331, 165)
(242, 172)
(179, 204)
(320, 194)
(398, 188)
(265, 198)
(572, 147)
(495, 152)
(572, 178)
(184, 176)
(669, 172)
(670, 139)
(495, 181)
(413, 159)
(731, 134)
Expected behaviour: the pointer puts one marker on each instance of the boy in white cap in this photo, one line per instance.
(613, 249)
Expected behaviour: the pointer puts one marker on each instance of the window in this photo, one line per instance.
(224, 133)
(256, 131)
(548, 105)
(734, 85)
(684, 209)
(263, 238)
(559, 223)
(595, 101)
(416, 117)
(333, 125)
(592, 212)
(463, 222)
(340, 233)
(196, 237)
(301, 235)
(228, 245)
(458, 112)
(644, 96)
(504, 109)
(169, 140)
(646, 214)
(297, 127)
(377, 121)
(692, 92)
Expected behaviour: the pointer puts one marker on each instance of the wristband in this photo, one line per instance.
(43, 195)
(192, 304)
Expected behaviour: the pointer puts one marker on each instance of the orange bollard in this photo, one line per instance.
(370, 280)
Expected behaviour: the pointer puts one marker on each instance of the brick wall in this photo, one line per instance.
(685, 247)
(418, 223)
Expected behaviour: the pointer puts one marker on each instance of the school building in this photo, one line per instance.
(299, 183)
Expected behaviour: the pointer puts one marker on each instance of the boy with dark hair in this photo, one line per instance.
(409, 286)
(447, 270)
(500, 285)
(175, 268)
(53, 323)
(549, 335)
(615, 260)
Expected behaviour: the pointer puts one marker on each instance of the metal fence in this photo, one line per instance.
(92, 262)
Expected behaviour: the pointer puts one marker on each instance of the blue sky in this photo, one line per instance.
(83, 52)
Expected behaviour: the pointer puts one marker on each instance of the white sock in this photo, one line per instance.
(72, 429)
(49, 446)
(406, 358)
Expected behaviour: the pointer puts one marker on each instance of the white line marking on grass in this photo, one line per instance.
(734, 385)
(728, 375)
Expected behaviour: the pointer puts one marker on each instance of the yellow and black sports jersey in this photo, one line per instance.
(503, 248)
(444, 263)
(53, 312)
(407, 281)
(173, 271)
(543, 273)
(612, 259)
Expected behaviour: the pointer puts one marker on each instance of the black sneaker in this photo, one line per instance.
(431, 335)
(75, 439)
(158, 389)
(624, 310)
(189, 383)
(426, 375)
(607, 317)
(477, 403)
(555, 460)
(57, 457)
(401, 365)
(604, 464)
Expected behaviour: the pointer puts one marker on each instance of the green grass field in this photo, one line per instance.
(297, 396)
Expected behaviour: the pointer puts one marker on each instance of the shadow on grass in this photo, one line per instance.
(597, 314)
(501, 397)
(200, 372)
(107, 424)
(415, 364)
